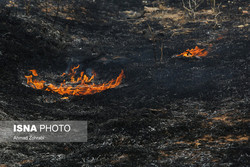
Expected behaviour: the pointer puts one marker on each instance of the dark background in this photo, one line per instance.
(168, 111)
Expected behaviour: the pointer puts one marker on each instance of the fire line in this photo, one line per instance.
(196, 52)
(83, 85)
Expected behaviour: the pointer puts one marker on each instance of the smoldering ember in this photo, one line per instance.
(160, 83)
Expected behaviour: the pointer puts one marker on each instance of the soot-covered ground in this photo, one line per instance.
(168, 111)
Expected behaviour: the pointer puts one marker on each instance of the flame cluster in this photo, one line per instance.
(196, 52)
(83, 85)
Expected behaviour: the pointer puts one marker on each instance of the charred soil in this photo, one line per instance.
(168, 111)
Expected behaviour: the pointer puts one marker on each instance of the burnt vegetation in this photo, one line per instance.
(169, 110)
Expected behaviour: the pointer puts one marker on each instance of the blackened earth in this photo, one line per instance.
(169, 112)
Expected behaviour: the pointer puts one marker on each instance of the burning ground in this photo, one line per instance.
(170, 109)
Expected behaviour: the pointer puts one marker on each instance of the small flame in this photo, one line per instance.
(194, 52)
(34, 72)
(83, 84)
(220, 38)
(35, 84)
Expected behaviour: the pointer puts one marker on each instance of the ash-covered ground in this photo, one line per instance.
(168, 111)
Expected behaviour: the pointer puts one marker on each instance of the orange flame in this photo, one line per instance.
(194, 52)
(220, 38)
(34, 72)
(83, 86)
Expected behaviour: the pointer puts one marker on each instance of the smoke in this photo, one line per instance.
(89, 72)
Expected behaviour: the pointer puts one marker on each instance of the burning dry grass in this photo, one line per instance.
(83, 85)
(196, 52)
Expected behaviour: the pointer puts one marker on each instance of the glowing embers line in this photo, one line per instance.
(83, 85)
(196, 52)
